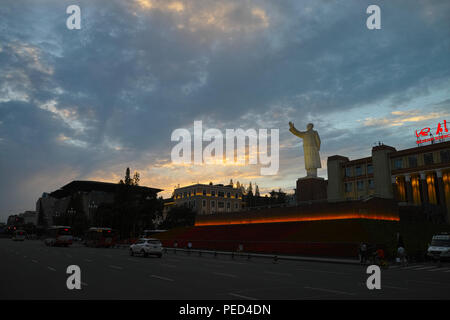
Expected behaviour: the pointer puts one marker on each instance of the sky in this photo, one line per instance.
(85, 104)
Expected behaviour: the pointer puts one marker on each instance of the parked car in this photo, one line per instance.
(147, 246)
(439, 248)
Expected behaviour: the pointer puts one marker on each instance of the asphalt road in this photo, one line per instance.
(30, 270)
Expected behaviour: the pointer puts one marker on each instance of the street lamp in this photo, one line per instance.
(92, 206)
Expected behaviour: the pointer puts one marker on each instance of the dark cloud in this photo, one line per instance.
(76, 102)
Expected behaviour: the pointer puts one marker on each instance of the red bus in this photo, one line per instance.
(100, 237)
(59, 236)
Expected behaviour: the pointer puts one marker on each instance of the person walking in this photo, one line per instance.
(363, 253)
(401, 254)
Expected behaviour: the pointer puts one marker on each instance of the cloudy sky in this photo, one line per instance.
(85, 104)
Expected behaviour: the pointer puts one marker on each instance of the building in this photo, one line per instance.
(208, 198)
(416, 176)
(89, 196)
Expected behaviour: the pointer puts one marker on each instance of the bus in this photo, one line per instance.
(59, 236)
(100, 237)
(19, 235)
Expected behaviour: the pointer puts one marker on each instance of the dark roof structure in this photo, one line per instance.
(88, 186)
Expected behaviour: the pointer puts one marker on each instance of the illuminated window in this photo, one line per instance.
(415, 189)
(412, 160)
(431, 189)
(428, 158)
(401, 194)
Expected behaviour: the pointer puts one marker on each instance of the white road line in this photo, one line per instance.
(278, 273)
(438, 269)
(161, 278)
(84, 284)
(225, 274)
(25, 257)
(35, 261)
(425, 268)
(50, 268)
(116, 267)
(413, 267)
(392, 287)
(322, 271)
(168, 265)
(329, 290)
(447, 271)
(241, 296)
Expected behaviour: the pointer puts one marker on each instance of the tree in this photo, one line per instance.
(257, 191)
(128, 180)
(136, 179)
(178, 216)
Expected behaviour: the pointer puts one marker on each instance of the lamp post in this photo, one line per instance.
(92, 208)
(71, 213)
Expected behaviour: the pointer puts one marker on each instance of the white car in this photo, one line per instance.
(146, 246)
(439, 248)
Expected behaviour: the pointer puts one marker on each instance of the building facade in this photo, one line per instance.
(416, 176)
(209, 198)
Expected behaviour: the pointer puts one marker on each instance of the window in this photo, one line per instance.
(213, 193)
(228, 195)
(445, 156)
(358, 171)
(221, 205)
(348, 187)
(185, 194)
(412, 160)
(204, 192)
(228, 205)
(213, 204)
(360, 185)
(398, 163)
(428, 158)
(204, 203)
(348, 171)
(371, 184)
(236, 206)
(221, 193)
(369, 168)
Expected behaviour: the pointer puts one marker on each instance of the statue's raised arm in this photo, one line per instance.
(311, 147)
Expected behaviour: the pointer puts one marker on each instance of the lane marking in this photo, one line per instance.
(225, 274)
(168, 265)
(115, 267)
(241, 296)
(50, 268)
(323, 271)
(161, 278)
(425, 268)
(413, 267)
(392, 287)
(329, 290)
(35, 261)
(279, 273)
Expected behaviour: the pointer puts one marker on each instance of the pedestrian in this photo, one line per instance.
(401, 254)
(380, 257)
(363, 253)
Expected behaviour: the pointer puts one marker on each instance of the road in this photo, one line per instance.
(30, 270)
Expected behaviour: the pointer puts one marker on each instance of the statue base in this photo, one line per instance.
(311, 188)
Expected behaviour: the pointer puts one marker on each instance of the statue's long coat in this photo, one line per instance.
(311, 147)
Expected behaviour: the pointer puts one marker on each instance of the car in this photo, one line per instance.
(19, 235)
(147, 246)
(439, 248)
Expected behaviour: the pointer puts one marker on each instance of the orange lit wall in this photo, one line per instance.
(381, 209)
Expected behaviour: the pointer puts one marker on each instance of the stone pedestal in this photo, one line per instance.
(311, 188)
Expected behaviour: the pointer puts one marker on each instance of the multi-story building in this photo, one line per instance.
(209, 198)
(414, 176)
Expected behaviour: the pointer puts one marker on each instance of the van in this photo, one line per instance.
(439, 248)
